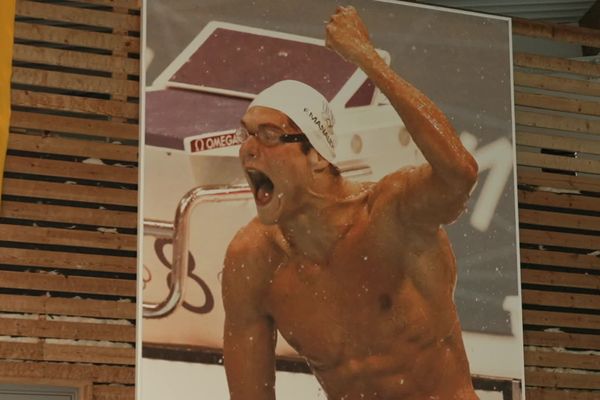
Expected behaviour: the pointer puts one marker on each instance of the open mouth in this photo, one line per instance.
(262, 186)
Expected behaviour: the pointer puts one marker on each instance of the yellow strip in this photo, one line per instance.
(7, 23)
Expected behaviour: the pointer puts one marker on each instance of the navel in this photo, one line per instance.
(385, 302)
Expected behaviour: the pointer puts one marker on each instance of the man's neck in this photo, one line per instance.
(324, 220)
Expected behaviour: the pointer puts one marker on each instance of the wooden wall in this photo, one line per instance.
(558, 155)
(68, 215)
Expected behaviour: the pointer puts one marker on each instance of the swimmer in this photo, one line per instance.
(357, 277)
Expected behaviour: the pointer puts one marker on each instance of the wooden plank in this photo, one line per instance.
(556, 32)
(557, 181)
(48, 370)
(76, 37)
(84, 83)
(66, 330)
(67, 306)
(562, 379)
(69, 169)
(558, 162)
(555, 83)
(559, 239)
(70, 284)
(62, 260)
(119, 52)
(70, 353)
(72, 147)
(70, 215)
(65, 191)
(561, 360)
(552, 298)
(66, 237)
(131, 4)
(81, 126)
(562, 339)
(559, 122)
(77, 15)
(561, 319)
(75, 59)
(563, 220)
(542, 257)
(79, 104)
(536, 393)
(553, 278)
(557, 103)
(546, 141)
(104, 392)
(556, 64)
(559, 200)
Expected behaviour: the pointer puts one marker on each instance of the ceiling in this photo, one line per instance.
(559, 11)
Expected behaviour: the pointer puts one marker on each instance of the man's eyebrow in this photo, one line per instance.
(270, 125)
(293, 124)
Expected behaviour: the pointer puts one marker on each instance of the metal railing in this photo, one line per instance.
(179, 232)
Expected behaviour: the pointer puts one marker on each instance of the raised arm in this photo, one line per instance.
(452, 171)
(249, 334)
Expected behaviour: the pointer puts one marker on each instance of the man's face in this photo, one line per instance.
(277, 172)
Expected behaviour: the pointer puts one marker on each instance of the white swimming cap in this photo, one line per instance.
(308, 108)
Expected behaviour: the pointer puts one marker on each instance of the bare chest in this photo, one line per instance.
(357, 304)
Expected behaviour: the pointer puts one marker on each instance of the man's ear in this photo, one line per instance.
(316, 161)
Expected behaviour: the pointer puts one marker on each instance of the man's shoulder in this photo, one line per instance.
(254, 247)
(251, 239)
(248, 266)
(393, 184)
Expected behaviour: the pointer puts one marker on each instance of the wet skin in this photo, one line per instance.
(358, 278)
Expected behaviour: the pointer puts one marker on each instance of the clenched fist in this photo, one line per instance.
(347, 35)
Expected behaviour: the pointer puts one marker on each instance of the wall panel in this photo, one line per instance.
(558, 146)
(69, 209)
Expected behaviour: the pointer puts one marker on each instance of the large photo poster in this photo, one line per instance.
(328, 202)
